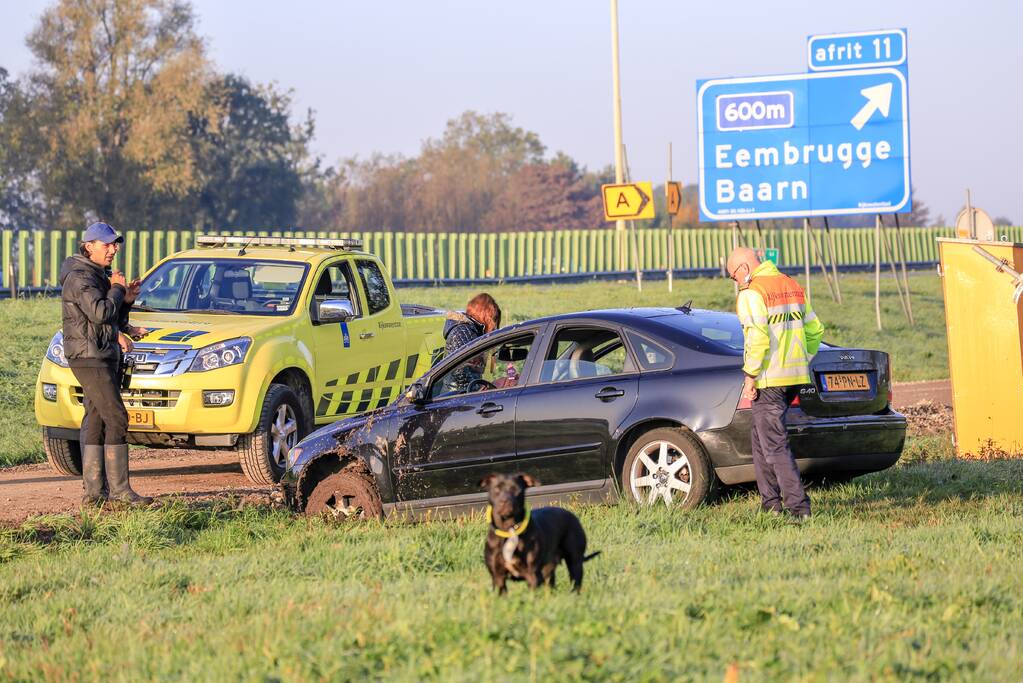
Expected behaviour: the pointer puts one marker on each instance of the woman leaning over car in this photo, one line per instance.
(482, 315)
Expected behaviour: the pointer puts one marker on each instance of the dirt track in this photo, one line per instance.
(31, 490)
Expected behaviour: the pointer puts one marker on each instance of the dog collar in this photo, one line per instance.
(515, 530)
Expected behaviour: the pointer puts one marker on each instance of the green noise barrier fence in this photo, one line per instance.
(36, 256)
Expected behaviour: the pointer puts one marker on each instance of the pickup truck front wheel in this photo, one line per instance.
(264, 453)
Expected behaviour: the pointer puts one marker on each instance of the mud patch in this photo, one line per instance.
(927, 418)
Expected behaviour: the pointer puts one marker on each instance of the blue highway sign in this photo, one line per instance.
(814, 144)
(863, 50)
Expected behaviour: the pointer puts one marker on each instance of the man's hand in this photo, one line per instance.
(117, 278)
(133, 288)
(136, 333)
(749, 389)
(125, 341)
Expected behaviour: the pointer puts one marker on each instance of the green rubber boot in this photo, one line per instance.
(116, 459)
(92, 475)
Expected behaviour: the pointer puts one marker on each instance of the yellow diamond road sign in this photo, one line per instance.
(632, 201)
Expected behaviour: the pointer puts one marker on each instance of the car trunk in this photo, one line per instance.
(847, 382)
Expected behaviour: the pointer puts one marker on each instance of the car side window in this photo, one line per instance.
(373, 281)
(498, 366)
(652, 356)
(336, 282)
(582, 352)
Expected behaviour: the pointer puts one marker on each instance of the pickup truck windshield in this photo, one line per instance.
(240, 286)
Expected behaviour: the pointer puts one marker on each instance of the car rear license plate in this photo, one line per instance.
(846, 381)
(141, 419)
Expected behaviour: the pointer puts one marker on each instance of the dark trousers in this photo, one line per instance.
(106, 420)
(777, 475)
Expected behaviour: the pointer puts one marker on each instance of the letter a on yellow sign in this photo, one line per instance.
(629, 202)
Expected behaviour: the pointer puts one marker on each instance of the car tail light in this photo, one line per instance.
(744, 403)
(795, 400)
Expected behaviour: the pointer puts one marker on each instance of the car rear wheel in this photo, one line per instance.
(264, 453)
(667, 466)
(64, 456)
(348, 494)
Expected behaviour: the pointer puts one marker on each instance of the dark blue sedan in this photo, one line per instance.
(640, 403)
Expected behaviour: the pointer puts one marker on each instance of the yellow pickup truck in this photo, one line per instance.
(252, 342)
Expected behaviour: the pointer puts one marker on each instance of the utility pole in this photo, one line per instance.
(619, 156)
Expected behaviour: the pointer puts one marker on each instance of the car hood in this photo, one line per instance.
(196, 330)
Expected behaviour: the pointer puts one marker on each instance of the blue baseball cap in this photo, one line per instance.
(102, 232)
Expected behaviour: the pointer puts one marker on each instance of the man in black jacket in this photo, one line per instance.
(95, 302)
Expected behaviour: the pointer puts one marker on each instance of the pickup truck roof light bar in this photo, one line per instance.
(292, 242)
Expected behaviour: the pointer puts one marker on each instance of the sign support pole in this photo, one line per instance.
(818, 252)
(735, 245)
(632, 229)
(877, 269)
(905, 275)
(833, 256)
(671, 236)
(890, 251)
(806, 254)
(619, 150)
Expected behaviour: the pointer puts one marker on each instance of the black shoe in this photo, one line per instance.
(800, 517)
(116, 460)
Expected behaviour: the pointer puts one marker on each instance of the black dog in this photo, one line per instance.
(529, 545)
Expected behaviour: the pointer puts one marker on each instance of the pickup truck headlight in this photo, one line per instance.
(55, 351)
(230, 352)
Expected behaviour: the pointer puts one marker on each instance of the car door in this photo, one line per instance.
(343, 353)
(383, 329)
(585, 386)
(466, 427)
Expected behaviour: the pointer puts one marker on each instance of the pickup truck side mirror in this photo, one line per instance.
(333, 311)
(416, 393)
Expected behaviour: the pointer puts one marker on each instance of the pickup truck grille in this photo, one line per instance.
(161, 361)
(138, 398)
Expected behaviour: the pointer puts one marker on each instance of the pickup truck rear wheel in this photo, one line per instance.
(264, 453)
(64, 456)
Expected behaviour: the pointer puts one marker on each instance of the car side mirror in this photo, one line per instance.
(333, 311)
(416, 393)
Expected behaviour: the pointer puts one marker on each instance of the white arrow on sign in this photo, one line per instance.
(879, 98)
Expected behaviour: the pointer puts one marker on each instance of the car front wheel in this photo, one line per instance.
(264, 453)
(667, 466)
(349, 493)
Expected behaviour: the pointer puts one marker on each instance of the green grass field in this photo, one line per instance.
(911, 573)
(907, 574)
(918, 352)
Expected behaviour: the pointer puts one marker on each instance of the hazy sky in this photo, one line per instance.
(383, 76)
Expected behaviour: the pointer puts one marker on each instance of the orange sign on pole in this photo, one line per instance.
(673, 190)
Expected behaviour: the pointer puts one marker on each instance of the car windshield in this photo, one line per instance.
(240, 286)
(717, 327)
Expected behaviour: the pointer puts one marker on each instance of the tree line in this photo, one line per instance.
(123, 117)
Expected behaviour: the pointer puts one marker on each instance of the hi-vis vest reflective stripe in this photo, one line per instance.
(781, 331)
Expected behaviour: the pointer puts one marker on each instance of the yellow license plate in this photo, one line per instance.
(846, 381)
(140, 418)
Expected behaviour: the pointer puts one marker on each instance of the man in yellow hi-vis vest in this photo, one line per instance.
(782, 334)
